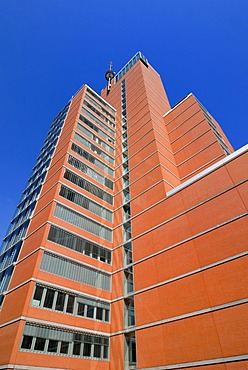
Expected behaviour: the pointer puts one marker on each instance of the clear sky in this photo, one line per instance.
(49, 48)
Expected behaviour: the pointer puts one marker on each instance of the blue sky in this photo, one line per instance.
(49, 48)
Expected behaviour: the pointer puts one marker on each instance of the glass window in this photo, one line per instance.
(40, 344)
(97, 350)
(64, 348)
(95, 251)
(102, 254)
(90, 311)
(87, 250)
(105, 351)
(48, 303)
(37, 296)
(81, 307)
(60, 301)
(99, 313)
(26, 342)
(87, 349)
(76, 348)
(70, 304)
(75, 242)
(107, 315)
(52, 345)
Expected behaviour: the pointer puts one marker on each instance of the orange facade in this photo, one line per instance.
(133, 254)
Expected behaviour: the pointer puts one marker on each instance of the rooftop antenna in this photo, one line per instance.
(109, 75)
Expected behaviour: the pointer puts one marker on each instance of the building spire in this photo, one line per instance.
(109, 75)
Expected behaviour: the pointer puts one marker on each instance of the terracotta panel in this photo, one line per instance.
(223, 242)
(170, 264)
(148, 198)
(195, 339)
(232, 331)
(227, 282)
(238, 168)
(207, 187)
(180, 297)
(216, 211)
(163, 236)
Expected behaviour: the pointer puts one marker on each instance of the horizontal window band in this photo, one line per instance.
(32, 327)
(55, 287)
(98, 121)
(95, 138)
(64, 302)
(99, 98)
(72, 270)
(85, 202)
(90, 158)
(85, 223)
(99, 106)
(94, 148)
(51, 340)
(94, 127)
(72, 241)
(88, 186)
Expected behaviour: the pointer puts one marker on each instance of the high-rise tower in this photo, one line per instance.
(128, 247)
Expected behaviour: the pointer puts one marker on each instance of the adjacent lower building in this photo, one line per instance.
(128, 248)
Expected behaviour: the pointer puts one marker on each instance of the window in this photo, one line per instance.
(94, 148)
(63, 342)
(99, 313)
(26, 342)
(88, 186)
(81, 309)
(128, 257)
(105, 351)
(86, 203)
(76, 348)
(83, 153)
(64, 347)
(39, 344)
(81, 245)
(60, 301)
(107, 315)
(70, 304)
(95, 138)
(75, 304)
(90, 172)
(128, 280)
(48, 303)
(82, 222)
(97, 350)
(52, 345)
(87, 349)
(73, 270)
(90, 311)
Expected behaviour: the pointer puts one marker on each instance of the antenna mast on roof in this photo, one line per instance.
(109, 75)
